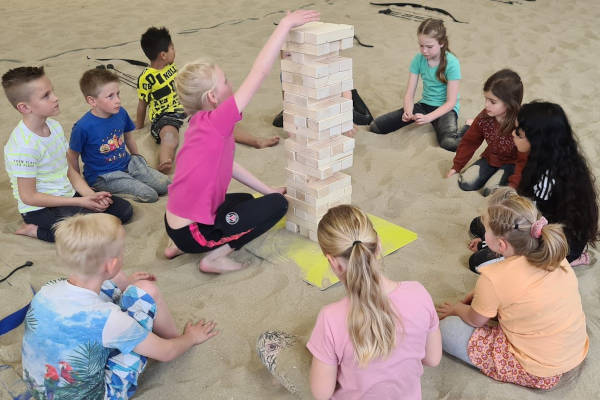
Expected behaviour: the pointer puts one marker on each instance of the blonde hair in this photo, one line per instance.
(511, 217)
(85, 241)
(345, 231)
(193, 82)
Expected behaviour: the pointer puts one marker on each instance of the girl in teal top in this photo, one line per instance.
(440, 71)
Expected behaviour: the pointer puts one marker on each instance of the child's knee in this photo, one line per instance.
(279, 204)
(146, 195)
(149, 287)
(169, 136)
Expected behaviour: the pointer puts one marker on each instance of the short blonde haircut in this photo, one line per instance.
(193, 82)
(85, 241)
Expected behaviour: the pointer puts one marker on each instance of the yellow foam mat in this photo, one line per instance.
(307, 254)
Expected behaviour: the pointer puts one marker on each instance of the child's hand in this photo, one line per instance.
(281, 189)
(450, 173)
(94, 202)
(141, 276)
(201, 331)
(422, 119)
(407, 116)
(300, 17)
(445, 310)
(473, 244)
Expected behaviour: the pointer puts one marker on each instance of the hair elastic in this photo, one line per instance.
(356, 242)
(536, 227)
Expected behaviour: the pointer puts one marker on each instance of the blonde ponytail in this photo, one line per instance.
(345, 231)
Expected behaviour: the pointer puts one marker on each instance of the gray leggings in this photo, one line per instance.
(455, 337)
(140, 180)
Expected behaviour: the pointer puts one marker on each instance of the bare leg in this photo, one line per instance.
(172, 251)
(27, 230)
(164, 324)
(217, 262)
(169, 140)
(244, 137)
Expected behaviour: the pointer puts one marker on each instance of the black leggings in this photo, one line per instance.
(239, 219)
(47, 217)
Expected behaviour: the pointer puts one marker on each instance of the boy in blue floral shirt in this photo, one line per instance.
(88, 336)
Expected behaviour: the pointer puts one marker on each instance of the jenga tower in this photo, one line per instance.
(315, 115)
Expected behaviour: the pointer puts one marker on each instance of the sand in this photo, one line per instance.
(552, 44)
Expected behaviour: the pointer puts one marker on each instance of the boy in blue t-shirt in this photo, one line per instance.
(102, 135)
(88, 336)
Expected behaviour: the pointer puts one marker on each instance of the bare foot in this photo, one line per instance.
(28, 230)
(219, 265)
(261, 143)
(165, 166)
(172, 251)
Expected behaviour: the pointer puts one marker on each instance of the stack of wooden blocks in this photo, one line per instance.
(315, 114)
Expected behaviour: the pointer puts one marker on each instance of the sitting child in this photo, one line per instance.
(88, 336)
(201, 217)
(156, 90)
(503, 92)
(374, 342)
(45, 188)
(100, 136)
(541, 331)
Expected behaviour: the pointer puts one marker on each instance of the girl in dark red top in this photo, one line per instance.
(503, 92)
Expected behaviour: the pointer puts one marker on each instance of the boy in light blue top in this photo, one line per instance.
(88, 336)
(440, 71)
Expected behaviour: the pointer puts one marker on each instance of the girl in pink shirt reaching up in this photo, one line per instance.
(201, 217)
(371, 344)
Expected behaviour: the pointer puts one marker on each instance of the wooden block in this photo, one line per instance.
(346, 43)
(301, 223)
(316, 206)
(312, 49)
(302, 58)
(347, 126)
(347, 84)
(312, 82)
(320, 32)
(316, 188)
(290, 226)
(320, 173)
(330, 89)
(320, 110)
(295, 120)
(308, 135)
(315, 69)
(324, 159)
(329, 122)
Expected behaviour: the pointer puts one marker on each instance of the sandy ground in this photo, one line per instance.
(552, 44)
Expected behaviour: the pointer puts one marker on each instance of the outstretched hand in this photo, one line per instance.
(201, 331)
(450, 173)
(300, 17)
(473, 244)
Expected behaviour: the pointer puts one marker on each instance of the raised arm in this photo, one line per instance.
(269, 53)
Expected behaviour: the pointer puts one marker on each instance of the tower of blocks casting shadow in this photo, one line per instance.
(315, 114)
